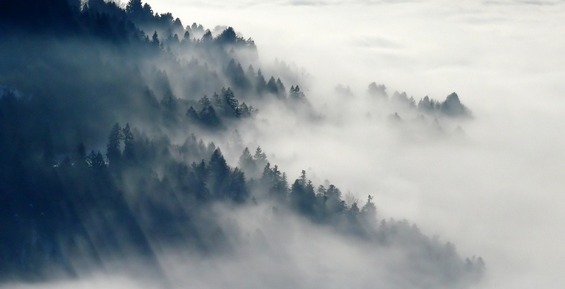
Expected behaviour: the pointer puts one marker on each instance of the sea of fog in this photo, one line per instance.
(496, 191)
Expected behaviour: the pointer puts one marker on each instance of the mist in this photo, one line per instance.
(496, 191)
(278, 250)
(489, 182)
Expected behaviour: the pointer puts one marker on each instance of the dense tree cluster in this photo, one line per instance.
(63, 206)
(210, 113)
(89, 171)
(450, 107)
(167, 67)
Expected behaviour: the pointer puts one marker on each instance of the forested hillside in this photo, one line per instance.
(106, 113)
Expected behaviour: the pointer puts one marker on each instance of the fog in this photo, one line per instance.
(495, 192)
(490, 183)
(275, 250)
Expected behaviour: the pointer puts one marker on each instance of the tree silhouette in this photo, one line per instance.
(260, 157)
(302, 196)
(62, 206)
(369, 211)
(260, 83)
(113, 148)
(272, 86)
(129, 150)
(296, 94)
(247, 163)
(219, 174)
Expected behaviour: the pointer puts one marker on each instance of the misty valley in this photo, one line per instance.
(134, 153)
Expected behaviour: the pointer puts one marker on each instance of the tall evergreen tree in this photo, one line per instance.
(281, 89)
(272, 86)
(134, 6)
(369, 210)
(260, 83)
(302, 196)
(129, 150)
(237, 188)
(113, 148)
(219, 174)
(247, 163)
(260, 157)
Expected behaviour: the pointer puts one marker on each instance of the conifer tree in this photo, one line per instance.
(113, 148)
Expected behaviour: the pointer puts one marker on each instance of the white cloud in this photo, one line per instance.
(498, 192)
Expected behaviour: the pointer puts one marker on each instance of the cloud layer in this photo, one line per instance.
(497, 191)
(492, 185)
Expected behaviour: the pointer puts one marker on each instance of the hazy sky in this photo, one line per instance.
(499, 192)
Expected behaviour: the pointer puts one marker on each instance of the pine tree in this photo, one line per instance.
(96, 160)
(281, 89)
(260, 157)
(231, 106)
(204, 102)
(129, 150)
(272, 86)
(369, 210)
(155, 39)
(113, 148)
(236, 188)
(134, 6)
(219, 174)
(296, 94)
(260, 83)
(302, 196)
(192, 114)
(334, 203)
(247, 163)
(209, 117)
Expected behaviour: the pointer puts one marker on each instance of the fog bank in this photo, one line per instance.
(497, 191)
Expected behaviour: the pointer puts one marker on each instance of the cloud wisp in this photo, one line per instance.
(489, 182)
(484, 192)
